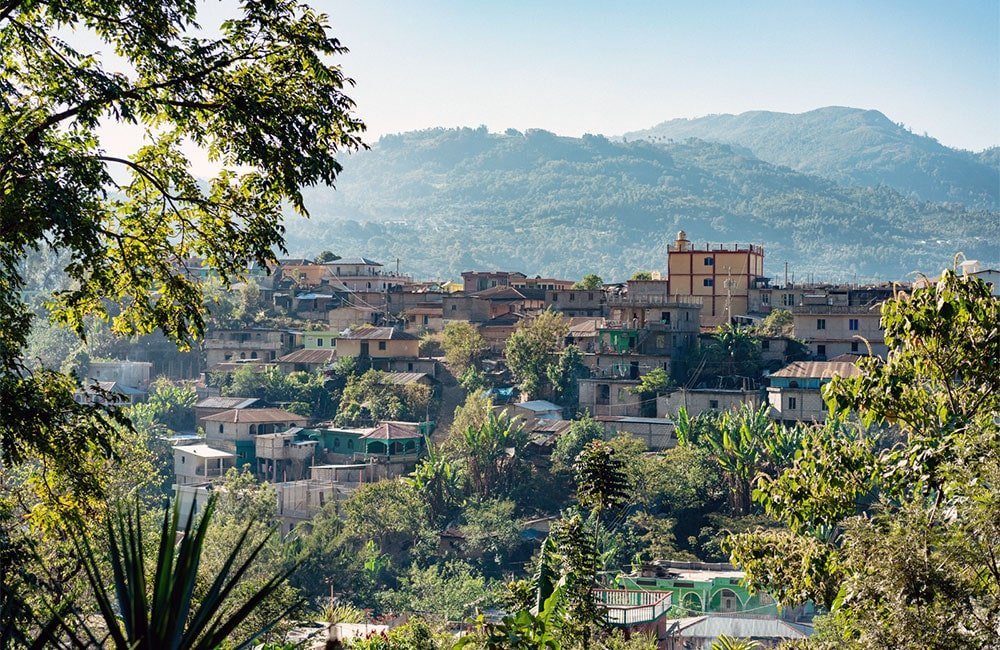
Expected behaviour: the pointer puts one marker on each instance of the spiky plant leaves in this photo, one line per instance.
(166, 614)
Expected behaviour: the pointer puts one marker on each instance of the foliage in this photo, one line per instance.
(569, 445)
(450, 590)
(590, 281)
(919, 569)
(440, 482)
(276, 387)
(263, 96)
(777, 323)
(156, 611)
(415, 634)
(463, 346)
(739, 443)
(731, 357)
(491, 531)
(473, 380)
(369, 399)
(495, 193)
(601, 484)
(654, 382)
(564, 375)
(726, 642)
(492, 452)
(530, 348)
(642, 275)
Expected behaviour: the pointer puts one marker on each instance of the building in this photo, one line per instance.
(577, 302)
(370, 342)
(200, 463)
(657, 433)
(215, 405)
(234, 430)
(702, 632)
(473, 281)
(832, 330)
(699, 400)
(540, 283)
(263, 345)
(128, 373)
(795, 391)
(721, 275)
(602, 397)
(284, 456)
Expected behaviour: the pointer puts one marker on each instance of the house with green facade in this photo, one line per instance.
(701, 587)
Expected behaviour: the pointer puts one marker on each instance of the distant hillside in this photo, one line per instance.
(445, 201)
(850, 146)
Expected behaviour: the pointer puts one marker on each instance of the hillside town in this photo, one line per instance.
(393, 360)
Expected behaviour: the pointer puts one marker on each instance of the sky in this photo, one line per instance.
(601, 67)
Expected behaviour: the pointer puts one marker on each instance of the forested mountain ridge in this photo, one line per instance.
(851, 146)
(448, 200)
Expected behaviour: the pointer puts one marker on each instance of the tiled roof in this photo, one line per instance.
(254, 416)
(500, 294)
(581, 327)
(226, 403)
(309, 356)
(394, 431)
(818, 370)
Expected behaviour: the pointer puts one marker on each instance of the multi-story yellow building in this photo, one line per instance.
(719, 274)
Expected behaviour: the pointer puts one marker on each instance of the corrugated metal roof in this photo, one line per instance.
(254, 416)
(818, 369)
(226, 403)
(403, 378)
(734, 626)
(309, 355)
(372, 333)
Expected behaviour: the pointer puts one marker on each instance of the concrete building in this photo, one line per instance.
(657, 433)
(234, 431)
(283, 456)
(795, 391)
(263, 345)
(577, 302)
(474, 281)
(699, 400)
(720, 274)
(200, 463)
(610, 397)
(832, 330)
(370, 342)
(129, 373)
(215, 405)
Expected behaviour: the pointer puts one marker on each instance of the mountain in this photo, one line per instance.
(850, 146)
(446, 201)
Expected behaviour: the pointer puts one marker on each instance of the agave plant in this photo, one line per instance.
(147, 612)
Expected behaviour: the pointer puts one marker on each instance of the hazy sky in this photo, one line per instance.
(601, 67)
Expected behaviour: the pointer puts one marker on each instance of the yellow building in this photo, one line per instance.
(719, 274)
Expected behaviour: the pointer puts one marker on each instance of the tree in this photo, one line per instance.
(530, 348)
(569, 445)
(450, 591)
(491, 531)
(590, 281)
(325, 257)
(642, 275)
(265, 98)
(463, 346)
(920, 569)
(492, 452)
(777, 323)
(564, 376)
(601, 484)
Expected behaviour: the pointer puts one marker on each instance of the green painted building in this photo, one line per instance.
(700, 587)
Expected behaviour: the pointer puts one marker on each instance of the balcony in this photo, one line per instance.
(627, 608)
(692, 302)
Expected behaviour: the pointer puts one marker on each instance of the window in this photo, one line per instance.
(381, 345)
(821, 350)
(709, 282)
(336, 442)
(453, 307)
(572, 297)
(350, 444)
(713, 404)
(427, 319)
(765, 299)
(220, 428)
(665, 317)
(853, 325)
(319, 342)
(791, 403)
(709, 261)
(590, 296)
(821, 323)
(854, 346)
(765, 345)
(555, 297)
